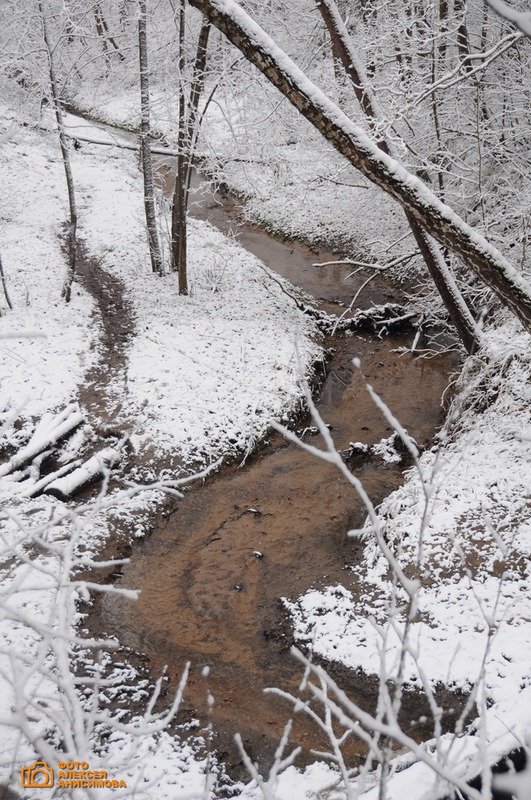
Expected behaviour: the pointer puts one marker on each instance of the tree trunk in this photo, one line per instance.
(443, 32)
(439, 271)
(441, 221)
(178, 213)
(188, 117)
(4, 286)
(145, 151)
(198, 76)
(96, 466)
(463, 44)
(196, 90)
(103, 32)
(63, 142)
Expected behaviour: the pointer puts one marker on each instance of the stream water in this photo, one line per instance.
(206, 596)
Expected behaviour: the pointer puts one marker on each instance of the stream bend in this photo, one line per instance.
(213, 572)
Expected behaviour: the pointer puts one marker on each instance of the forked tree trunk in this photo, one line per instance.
(438, 269)
(188, 123)
(103, 32)
(196, 91)
(65, 153)
(348, 139)
(145, 151)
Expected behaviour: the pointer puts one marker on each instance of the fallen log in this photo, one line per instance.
(159, 151)
(40, 485)
(97, 466)
(378, 319)
(49, 432)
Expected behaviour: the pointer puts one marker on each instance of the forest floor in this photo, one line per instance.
(465, 505)
(203, 383)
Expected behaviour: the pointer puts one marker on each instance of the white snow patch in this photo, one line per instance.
(472, 551)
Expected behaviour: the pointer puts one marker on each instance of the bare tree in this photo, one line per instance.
(522, 19)
(438, 269)
(106, 37)
(145, 151)
(4, 285)
(178, 213)
(441, 221)
(63, 142)
(188, 117)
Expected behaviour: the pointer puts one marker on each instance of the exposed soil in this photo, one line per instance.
(215, 566)
(211, 574)
(104, 389)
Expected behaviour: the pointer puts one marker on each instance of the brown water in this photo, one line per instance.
(205, 594)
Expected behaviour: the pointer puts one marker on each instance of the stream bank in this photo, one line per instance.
(215, 566)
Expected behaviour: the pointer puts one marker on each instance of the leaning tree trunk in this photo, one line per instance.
(438, 269)
(145, 151)
(348, 139)
(103, 32)
(63, 142)
(196, 90)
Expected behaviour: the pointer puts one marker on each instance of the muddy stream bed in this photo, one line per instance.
(206, 596)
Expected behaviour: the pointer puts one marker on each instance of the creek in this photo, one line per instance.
(206, 597)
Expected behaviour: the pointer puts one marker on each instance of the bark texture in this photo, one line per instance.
(4, 286)
(179, 205)
(145, 150)
(437, 218)
(103, 32)
(188, 125)
(438, 269)
(65, 153)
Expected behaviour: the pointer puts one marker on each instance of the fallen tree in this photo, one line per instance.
(441, 275)
(420, 203)
(50, 431)
(97, 466)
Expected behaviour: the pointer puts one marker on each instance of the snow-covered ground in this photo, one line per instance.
(205, 375)
(462, 521)
(44, 361)
(293, 183)
(204, 380)
(461, 525)
(199, 367)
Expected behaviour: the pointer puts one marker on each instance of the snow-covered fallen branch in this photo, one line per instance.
(48, 432)
(378, 319)
(99, 464)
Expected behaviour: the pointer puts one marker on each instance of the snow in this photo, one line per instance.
(377, 166)
(205, 375)
(203, 380)
(463, 520)
(290, 182)
(38, 372)
(199, 369)
(522, 19)
(97, 464)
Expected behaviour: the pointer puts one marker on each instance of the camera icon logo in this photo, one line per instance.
(38, 776)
